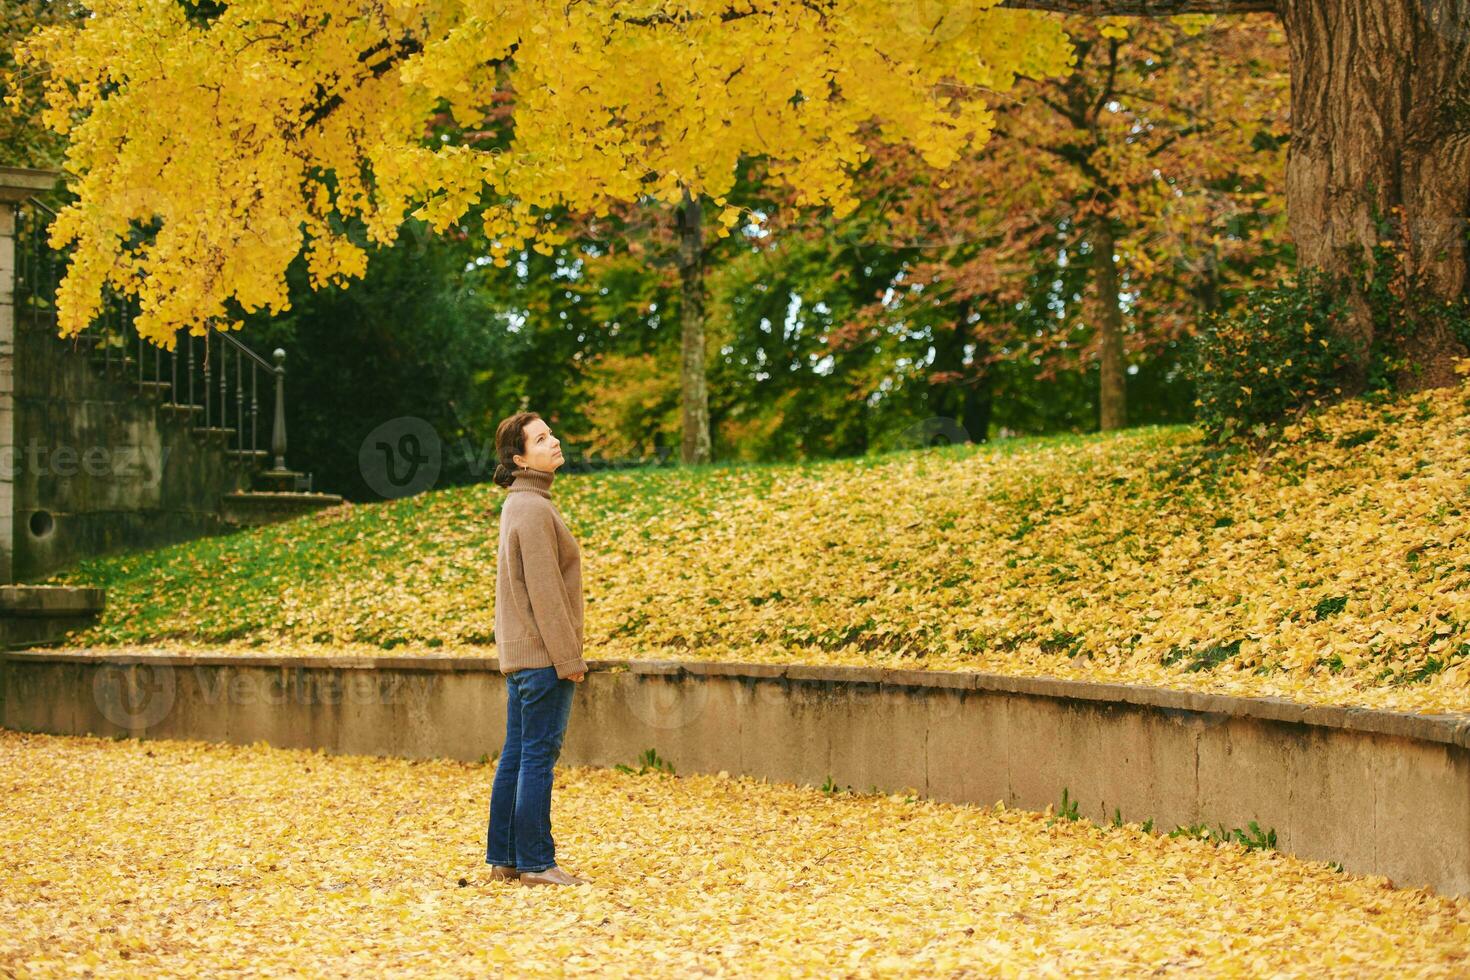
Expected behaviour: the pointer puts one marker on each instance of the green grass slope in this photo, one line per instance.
(1330, 566)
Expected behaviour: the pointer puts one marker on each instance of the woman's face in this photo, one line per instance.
(543, 450)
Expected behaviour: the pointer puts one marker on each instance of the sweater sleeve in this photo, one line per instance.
(547, 591)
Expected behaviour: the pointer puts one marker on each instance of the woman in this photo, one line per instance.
(538, 638)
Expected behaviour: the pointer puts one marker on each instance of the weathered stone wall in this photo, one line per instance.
(100, 468)
(88, 464)
(1380, 792)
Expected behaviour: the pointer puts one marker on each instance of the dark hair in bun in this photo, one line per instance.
(510, 440)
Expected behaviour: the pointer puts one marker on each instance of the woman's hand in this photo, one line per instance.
(577, 676)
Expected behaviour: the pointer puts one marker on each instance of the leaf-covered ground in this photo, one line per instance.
(135, 858)
(1331, 567)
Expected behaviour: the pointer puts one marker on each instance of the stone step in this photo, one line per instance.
(118, 361)
(256, 457)
(219, 434)
(42, 615)
(279, 481)
(250, 508)
(181, 411)
(283, 493)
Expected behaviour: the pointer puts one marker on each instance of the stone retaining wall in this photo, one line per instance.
(1380, 792)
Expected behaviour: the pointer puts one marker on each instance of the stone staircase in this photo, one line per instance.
(207, 417)
(113, 444)
(265, 490)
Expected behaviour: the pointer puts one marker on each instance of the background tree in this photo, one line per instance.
(1378, 129)
(1141, 165)
(413, 338)
(24, 139)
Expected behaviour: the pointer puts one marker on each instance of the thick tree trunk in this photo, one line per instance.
(979, 402)
(1380, 112)
(1112, 401)
(1380, 115)
(968, 398)
(694, 393)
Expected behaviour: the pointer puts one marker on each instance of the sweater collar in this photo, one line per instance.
(537, 481)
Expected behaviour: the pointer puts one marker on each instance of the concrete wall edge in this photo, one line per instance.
(1448, 729)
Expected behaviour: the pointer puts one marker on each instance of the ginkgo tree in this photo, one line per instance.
(213, 144)
(1166, 136)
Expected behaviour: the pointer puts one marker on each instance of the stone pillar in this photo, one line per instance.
(7, 390)
(16, 184)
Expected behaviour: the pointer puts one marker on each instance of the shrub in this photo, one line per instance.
(1404, 304)
(1281, 352)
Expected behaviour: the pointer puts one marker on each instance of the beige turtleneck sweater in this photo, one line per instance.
(538, 581)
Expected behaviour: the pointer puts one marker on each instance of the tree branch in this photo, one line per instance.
(1105, 95)
(396, 53)
(1145, 8)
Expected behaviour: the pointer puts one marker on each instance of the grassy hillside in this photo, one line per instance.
(1332, 566)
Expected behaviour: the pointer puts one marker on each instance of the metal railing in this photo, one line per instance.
(215, 373)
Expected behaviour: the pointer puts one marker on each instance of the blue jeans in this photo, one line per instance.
(537, 705)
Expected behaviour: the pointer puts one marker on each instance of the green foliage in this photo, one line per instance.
(1066, 811)
(1063, 642)
(1404, 304)
(1359, 438)
(649, 761)
(24, 140)
(1190, 830)
(1251, 837)
(1284, 350)
(1431, 666)
(1281, 352)
(1205, 658)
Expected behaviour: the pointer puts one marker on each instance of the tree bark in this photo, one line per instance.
(694, 394)
(977, 401)
(1380, 110)
(1112, 392)
(968, 400)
